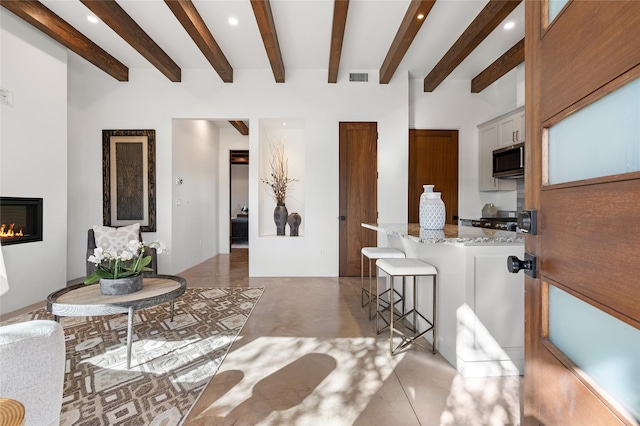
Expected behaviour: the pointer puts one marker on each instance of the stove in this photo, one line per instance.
(501, 223)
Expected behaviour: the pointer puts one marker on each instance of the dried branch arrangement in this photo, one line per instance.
(278, 180)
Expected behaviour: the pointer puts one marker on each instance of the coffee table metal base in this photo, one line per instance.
(87, 300)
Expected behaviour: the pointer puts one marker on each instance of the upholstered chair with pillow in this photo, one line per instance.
(106, 237)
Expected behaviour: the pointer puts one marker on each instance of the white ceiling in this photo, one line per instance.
(304, 34)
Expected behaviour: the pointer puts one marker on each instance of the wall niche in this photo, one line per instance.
(281, 148)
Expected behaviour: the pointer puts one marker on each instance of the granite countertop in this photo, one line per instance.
(451, 234)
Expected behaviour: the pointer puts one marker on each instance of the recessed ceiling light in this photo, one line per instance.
(233, 21)
(509, 25)
(92, 19)
(284, 123)
(421, 16)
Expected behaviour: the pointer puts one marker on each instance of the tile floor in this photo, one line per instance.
(308, 355)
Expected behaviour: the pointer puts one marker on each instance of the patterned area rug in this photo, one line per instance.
(171, 362)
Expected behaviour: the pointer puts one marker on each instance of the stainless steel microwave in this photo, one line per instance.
(509, 162)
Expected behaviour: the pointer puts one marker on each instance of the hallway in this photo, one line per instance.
(309, 355)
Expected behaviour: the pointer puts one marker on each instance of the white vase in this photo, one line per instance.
(431, 234)
(427, 188)
(432, 209)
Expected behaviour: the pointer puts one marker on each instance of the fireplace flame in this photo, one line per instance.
(9, 232)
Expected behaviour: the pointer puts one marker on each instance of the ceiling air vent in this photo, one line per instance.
(358, 76)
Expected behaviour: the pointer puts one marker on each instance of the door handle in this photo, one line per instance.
(343, 218)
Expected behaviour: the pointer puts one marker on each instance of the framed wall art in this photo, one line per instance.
(129, 178)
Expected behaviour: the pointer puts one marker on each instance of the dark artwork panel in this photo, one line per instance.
(129, 181)
(129, 178)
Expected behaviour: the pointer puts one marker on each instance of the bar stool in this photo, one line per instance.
(374, 253)
(409, 268)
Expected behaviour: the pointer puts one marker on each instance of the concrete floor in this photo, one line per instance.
(308, 355)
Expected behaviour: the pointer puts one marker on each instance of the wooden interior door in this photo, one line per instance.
(588, 240)
(433, 160)
(358, 192)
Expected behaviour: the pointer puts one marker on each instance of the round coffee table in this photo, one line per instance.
(86, 300)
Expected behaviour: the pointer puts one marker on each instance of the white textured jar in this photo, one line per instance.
(425, 189)
(432, 210)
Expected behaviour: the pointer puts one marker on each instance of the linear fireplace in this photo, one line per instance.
(20, 220)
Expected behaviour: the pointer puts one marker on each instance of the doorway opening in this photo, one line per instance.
(239, 199)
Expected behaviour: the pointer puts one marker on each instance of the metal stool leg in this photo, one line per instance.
(377, 308)
(391, 313)
(371, 294)
(414, 339)
(391, 304)
(433, 346)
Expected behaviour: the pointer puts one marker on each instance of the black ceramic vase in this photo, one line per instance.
(280, 214)
(294, 221)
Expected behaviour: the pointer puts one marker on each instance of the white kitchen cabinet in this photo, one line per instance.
(488, 134)
(520, 128)
(480, 305)
(511, 128)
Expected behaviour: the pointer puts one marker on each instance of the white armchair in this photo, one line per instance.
(32, 363)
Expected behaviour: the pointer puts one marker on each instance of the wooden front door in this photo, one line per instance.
(582, 310)
(358, 192)
(433, 160)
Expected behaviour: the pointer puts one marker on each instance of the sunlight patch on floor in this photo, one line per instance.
(333, 378)
(483, 401)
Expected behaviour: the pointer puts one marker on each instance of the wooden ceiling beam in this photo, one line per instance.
(415, 16)
(487, 20)
(340, 8)
(188, 16)
(505, 63)
(240, 126)
(267, 26)
(42, 18)
(119, 21)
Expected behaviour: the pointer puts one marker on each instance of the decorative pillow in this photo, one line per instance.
(107, 237)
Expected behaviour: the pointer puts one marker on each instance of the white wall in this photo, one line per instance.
(194, 230)
(150, 101)
(33, 156)
(35, 69)
(452, 106)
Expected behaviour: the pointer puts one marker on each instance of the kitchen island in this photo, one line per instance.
(480, 305)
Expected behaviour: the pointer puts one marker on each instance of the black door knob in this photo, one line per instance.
(528, 265)
(343, 218)
(514, 265)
